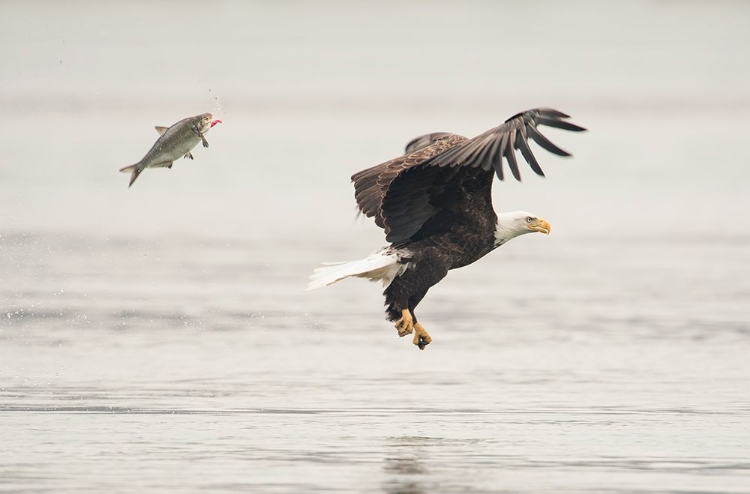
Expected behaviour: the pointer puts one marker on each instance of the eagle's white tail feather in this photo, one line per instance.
(383, 266)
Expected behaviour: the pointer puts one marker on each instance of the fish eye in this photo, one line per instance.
(529, 219)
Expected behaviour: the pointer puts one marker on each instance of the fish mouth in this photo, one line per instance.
(217, 121)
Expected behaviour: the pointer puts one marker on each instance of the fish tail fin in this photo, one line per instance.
(134, 171)
(383, 266)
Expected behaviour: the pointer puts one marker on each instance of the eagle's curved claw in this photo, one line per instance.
(405, 325)
(421, 337)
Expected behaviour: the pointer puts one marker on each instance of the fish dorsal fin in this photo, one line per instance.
(161, 130)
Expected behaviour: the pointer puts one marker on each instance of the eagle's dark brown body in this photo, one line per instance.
(435, 250)
(435, 206)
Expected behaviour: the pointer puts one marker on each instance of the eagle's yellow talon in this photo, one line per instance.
(421, 337)
(405, 325)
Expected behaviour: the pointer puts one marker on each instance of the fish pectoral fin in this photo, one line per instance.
(161, 130)
(189, 155)
(205, 142)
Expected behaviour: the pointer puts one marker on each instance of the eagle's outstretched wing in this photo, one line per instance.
(406, 192)
(487, 150)
(370, 185)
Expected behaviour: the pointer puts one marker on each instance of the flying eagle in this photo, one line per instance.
(435, 205)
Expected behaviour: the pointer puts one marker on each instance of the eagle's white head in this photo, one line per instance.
(511, 225)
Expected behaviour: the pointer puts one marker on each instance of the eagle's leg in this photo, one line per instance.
(405, 325)
(402, 297)
(421, 337)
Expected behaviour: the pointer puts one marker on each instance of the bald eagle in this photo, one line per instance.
(435, 205)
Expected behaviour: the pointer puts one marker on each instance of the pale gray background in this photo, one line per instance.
(158, 339)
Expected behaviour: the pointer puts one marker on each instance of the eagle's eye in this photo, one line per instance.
(529, 219)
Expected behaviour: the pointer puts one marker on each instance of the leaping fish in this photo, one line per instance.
(174, 142)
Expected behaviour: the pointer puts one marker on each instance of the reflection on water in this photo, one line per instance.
(405, 465)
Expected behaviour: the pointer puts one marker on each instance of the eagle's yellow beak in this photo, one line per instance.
(540, 225)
